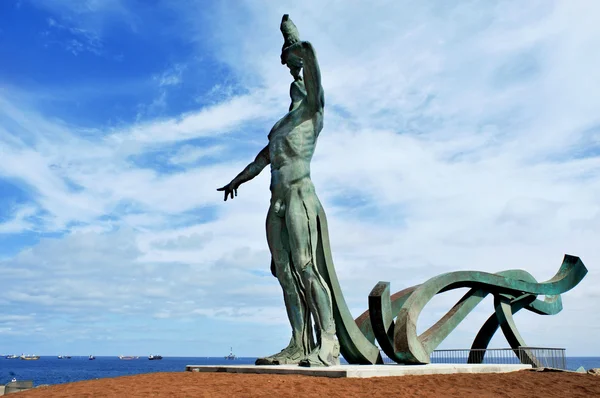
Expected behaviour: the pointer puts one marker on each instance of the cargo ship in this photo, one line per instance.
(127, 357)
(30, 357)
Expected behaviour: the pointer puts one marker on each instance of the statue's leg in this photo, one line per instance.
(301, 221)
(296, 306)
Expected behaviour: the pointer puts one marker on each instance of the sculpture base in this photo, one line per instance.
(360, 371)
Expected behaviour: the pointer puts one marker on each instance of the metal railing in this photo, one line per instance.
(544, 356)
(534, 356)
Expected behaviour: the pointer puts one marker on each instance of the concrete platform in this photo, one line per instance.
(361, 371)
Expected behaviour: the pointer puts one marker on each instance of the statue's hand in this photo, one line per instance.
(294, 49)
(230, 190)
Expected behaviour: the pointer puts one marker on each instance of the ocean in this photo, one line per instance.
(51, 370)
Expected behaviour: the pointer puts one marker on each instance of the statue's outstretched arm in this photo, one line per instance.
(252, 170)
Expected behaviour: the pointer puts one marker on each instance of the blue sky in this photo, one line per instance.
(457, 136)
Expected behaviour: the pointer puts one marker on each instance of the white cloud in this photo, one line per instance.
(171, 77)
(74, 39)
(168, 79)
(213, 120)
(19, 221)
(188, 154)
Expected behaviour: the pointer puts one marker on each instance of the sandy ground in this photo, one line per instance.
(192, 384)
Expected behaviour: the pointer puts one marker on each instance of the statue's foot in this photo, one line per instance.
(290, 355)
(327, 354)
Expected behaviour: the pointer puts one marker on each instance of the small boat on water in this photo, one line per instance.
(91, 357)
(30, 357)
(231, 355)
(154, 357)
(60, 357)
(127, 357)
(11, 356)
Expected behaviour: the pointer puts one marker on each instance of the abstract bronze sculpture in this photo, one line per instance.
(301, 258)
(513, 290)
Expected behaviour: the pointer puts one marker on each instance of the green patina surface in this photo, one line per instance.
(513, 290)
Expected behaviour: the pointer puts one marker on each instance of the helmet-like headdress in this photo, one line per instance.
(289, 31)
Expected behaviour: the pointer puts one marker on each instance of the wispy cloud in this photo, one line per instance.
(169, 78)
(20, 220)
(73, 39)
(189, 154)
(172, 76)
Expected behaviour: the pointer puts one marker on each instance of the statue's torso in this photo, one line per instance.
(292, 142)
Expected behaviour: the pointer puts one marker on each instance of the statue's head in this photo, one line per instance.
(290, 36)
(293, 62)
(289, 31)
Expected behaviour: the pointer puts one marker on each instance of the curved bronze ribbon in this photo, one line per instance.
(513, 290)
